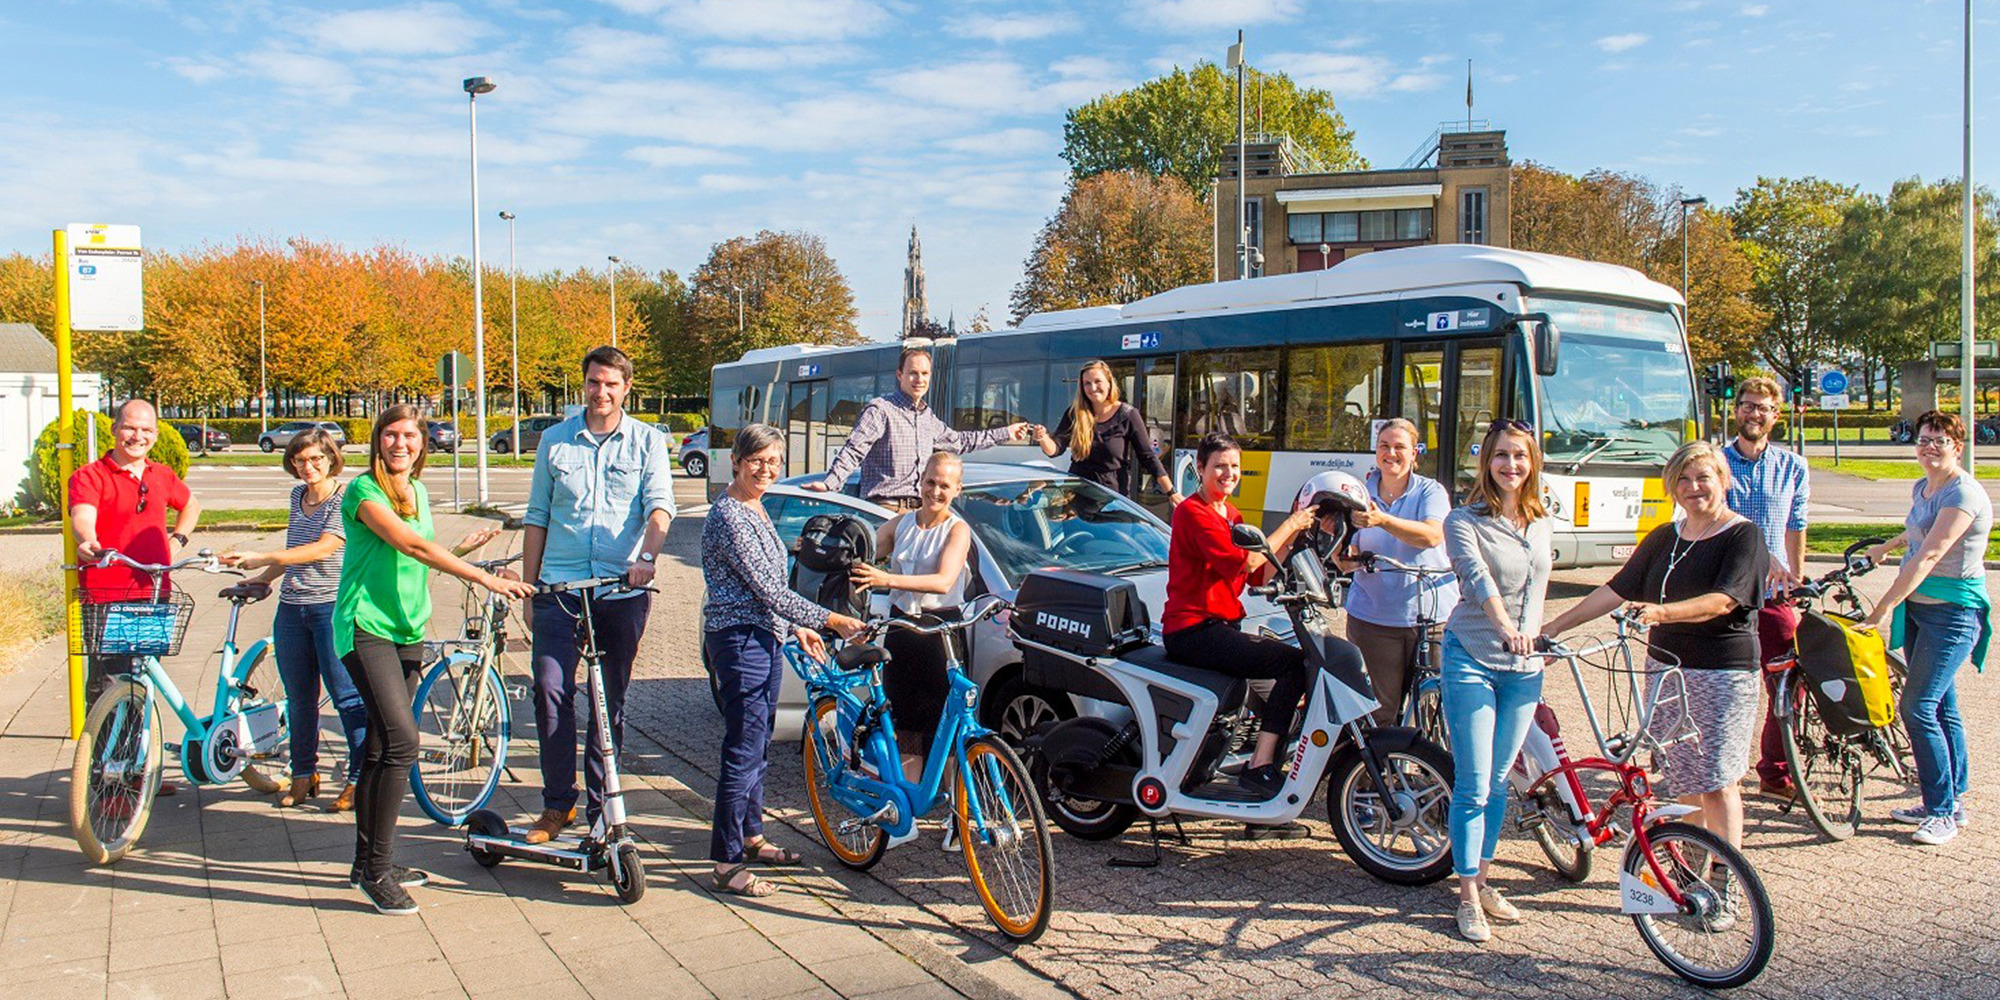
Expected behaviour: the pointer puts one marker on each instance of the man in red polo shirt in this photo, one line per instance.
(120, 502)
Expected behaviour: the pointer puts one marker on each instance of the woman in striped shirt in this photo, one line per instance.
(302, 632)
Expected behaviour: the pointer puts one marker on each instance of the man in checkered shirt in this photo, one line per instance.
(1770, 486)
(895, 435)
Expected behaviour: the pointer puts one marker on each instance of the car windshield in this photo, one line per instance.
(1033, 524)
(1622, 394)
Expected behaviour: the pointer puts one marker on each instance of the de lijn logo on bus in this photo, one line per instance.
(1148, 341)
(1457, 319)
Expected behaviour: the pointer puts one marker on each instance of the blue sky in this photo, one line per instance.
(654, 128)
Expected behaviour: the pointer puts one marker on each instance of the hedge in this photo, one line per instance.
(243, 432)
(43, 488)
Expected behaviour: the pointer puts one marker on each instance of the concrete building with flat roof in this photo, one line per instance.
(1455, 189)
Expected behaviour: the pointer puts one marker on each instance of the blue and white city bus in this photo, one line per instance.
(1304, 368)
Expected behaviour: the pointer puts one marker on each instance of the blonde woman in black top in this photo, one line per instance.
(1106, 436)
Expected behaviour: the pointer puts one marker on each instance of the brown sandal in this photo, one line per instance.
(304, 788)
(766, 853)
(344, 802)
(725, 877)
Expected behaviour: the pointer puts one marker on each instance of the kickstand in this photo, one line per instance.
(1153, 861)
(510, 773)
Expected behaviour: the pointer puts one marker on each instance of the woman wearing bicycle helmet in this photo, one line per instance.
(1698, 581)
(1499, 544)
(1404, 520)
(1107, 438)
(379, 618)
(928, 553)
(1202, 623)
(1942, 613)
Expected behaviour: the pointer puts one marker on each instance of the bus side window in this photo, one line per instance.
(1235, 393)
(1333, 394)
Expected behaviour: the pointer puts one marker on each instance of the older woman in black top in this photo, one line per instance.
(1698, 581)
(1106, 436)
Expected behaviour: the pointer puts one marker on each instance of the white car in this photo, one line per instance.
(1023, 518)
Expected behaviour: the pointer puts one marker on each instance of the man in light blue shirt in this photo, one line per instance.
(599, 505)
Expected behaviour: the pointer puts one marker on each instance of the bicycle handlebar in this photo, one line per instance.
(1554, 649)
(994, 605)
(203, 560)
(489, 565)
(1375, 562)
(616, 582)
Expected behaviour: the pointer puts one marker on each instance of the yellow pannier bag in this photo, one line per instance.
(1847, 670)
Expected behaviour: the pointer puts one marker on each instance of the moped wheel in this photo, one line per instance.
(1826, 769)
(1084, 819)
(463, 726)
(1403, 842)
(628, 875)
(115, 773)
(1006, 846)
(1723, 937)
(824, 745)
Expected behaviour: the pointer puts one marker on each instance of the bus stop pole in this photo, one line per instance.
(65, 467)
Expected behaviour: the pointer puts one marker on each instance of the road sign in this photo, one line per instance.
(1833, 401)
(455, 369)
(105, 292)
(1949, 350)
(1833, 382)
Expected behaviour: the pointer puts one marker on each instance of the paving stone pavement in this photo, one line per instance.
(1872, 917)
(228, 896)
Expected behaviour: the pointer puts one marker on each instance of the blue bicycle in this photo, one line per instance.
(863, 804)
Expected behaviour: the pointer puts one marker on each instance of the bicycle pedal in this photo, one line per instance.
(516, 692)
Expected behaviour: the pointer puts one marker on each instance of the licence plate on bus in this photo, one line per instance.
(1622, 551)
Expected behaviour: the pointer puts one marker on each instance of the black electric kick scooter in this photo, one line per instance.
(608, 843)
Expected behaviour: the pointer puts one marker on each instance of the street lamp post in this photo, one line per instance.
(738, 289)
(1687, 203)
(475, 86)
(263, 368)
(514, 325)
(615, 261)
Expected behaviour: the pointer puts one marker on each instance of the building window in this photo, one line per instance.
(1382, 226)
(1342, 227)
(1413, 223)
(1304, 228)
(1472, 215)
(1253, 215)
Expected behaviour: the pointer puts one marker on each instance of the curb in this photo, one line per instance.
(56, 529)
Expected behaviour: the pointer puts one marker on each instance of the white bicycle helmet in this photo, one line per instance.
(1331, 492)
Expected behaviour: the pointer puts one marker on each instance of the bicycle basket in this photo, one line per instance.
(118, 622)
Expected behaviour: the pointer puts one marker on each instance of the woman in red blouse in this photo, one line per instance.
(1202, 624)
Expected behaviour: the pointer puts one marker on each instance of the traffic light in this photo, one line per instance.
(1728, 382)
(1798, 393)
(1718, 381)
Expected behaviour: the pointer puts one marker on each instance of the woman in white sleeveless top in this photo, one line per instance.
(928, 548)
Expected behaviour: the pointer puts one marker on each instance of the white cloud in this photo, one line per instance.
(1208, 15)
(779, 20)
(776, 58)
(1620, 43)
(418, 29)
(1350, 77)
(1756, 10)
(734, 182)
(1701, 131)
(304, 73)
(598, 50)
(196, 70)
(682, 156)
(1005, 143)
(1006, 28)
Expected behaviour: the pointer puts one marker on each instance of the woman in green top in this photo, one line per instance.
(378, 629)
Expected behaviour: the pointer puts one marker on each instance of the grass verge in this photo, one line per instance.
(436, 461)
(1835, 538)
(1882, 468)
(31, 610)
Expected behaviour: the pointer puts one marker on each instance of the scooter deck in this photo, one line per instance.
(569, 851)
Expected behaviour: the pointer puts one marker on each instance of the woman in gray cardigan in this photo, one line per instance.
(1499, 548)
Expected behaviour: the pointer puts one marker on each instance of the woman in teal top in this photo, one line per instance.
(1940, 611)
(379, 618)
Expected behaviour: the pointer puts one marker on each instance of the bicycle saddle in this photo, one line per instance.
(860, 655)
(248, 593)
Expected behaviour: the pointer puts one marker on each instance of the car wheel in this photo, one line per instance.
(267, 445)
(696, 466)
(1013, 708)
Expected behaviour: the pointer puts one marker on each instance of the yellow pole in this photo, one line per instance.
(66, 464)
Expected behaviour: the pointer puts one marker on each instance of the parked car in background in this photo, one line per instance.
(694, 453)
(197, 442)
(444, 437)
(1023, 518)
(281, 435)
(531, 435)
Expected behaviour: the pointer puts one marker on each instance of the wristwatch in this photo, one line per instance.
(178, 537)
(647, 557)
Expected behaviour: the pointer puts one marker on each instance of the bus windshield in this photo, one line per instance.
(1622, 394)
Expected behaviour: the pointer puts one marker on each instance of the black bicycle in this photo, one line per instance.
(1423, 691)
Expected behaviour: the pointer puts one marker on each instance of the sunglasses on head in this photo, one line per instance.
(142, 498)
(1513, 425)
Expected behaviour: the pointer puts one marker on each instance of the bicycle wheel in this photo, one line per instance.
(1897, 736)
(1407, 842)
(463, 726)
(1006, 846)
(1826, 769)
(115, 773)
(259, 683)
(1427, 711)
(1559, 838)
(824, 744)
(1723, 937)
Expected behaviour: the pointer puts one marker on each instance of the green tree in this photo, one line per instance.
(1177, 125)
(1118, 236)
(789, 289)
(1901, 258)
(1791, 228)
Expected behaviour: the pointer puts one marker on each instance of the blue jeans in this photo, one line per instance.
(748, 668)
(1488, 712)
(302, 640)
(1937, 640)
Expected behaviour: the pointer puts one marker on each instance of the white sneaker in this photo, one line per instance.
(1961, 817)
(1915, 815)
(1472, 924)
(1936, 830)
(1497, 906)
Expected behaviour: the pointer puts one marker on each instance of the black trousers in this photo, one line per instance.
(1222, 646)
(386, 674)
(914, 679)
